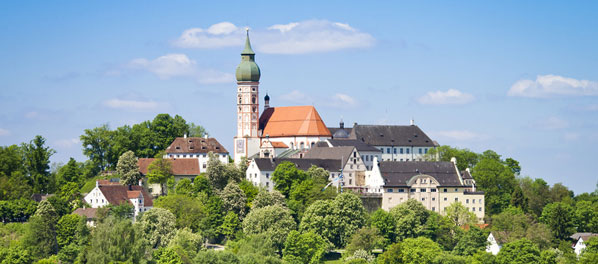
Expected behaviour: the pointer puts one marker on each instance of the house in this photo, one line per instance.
(365, 151)
(435, 184)
(394, 142)
(351, 162)
(116, 194)
(196, 148)
(88, 213)
(492, 246)
(184, 168)
(272, 149)
(579, 241)
(260, 170)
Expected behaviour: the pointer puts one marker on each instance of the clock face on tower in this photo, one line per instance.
(240, 146)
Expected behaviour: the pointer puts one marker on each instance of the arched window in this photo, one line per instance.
(302, 145)
(240, 99)
(253, 99)
(312, 144)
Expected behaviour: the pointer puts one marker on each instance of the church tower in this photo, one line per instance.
(247, 142)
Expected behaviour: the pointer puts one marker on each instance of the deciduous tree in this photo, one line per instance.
(128, 169)
(157, 227)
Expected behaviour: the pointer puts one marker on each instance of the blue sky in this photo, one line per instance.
(520, 78)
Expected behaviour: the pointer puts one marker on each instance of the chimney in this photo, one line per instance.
(130, 188)
(140, 182)
(205, 136)
(185, 135)
(454, 160)
(341, 124)
(412, 122)
(97, 183)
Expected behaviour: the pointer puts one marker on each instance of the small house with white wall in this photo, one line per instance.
(196, 148)
(492, 246)
(579, 241)
(353, 167)
(106, 193)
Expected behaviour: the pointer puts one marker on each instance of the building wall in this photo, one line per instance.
(393, 153)
(259, 178)
(295, 142)
(202, 158)
(95, 198)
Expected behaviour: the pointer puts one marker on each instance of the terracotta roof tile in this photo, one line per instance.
(182, 167)
(133, 194)
(195, 145)
(277, 144)
(292, 121)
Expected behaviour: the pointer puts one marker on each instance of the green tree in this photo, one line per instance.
(304, 248)
(214, 217)
(249, 190)
(392, 254)
(496, 180)
(97, 144)
(460, 215)
(518, 199)
(216, 257)
(559, 217)
(275, 221)
(69, 173)
(465, 157)
(285, 174)
(115, 240)
(188, 211)
(410, 217)
(233, 199)
(196, 130)
(265, 198)
(335, 220)
(11, 160)
(537, 193)
(15, 186)
(40, 238)
(220, 174)
(201, 184)
(37, 163)
(230, 225)
(66, 229)
(441, 230)
(419, 250)
(167, 128)
(184, 187)
(472, 241)
(586, 216)
(189, 243)
(383, 221)
(366, 238)
(521, 251)
(160, 171)
(157, 227)
(128, 169)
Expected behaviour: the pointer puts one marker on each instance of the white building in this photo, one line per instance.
(492, 246)
(365, 151)
(394, 143)
(354, 169)
(107, 192)
(435, 184)
(196, 148)
(260, 170)
(580, 239)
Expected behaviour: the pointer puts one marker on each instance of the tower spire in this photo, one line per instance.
(247, 50)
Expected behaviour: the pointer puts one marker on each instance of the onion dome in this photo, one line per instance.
(267, 97)
(248, 71)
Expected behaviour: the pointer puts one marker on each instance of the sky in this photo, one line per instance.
(516, 77)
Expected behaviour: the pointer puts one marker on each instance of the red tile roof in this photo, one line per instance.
(117, 194)
(179, 167)
(277, 144)
(293, 121)
(195, 145)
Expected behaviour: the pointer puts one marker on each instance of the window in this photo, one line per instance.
(466, 201)
(445, 190)
(387, 150)
(401, 190)
(480, 200)
(473, 209)
(407, 150)
(420, 150)
(394, 150)
(426, 151)
(433, 190)
(433, 198)
(456, 189)
(445, 199)
(456, 199)
(204, 165)
(401, 150)
(267, 175)
(389, 190)
(412, 190)
(267, 184)
(472, 200)
(422, 190)
(350, 181)
(480, 209)
(433, 208)
(423, 199)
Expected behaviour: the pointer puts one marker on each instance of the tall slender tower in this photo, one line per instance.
(247, 140)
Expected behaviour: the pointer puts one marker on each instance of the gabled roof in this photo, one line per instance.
(195, 145)
(360, 146)
(117, 194)
(331, 165)
(398, 173)
(383, 135)
(179, 167)
(584, 236)
(292, 121)
(337, 153)
(466, 175)
(89, 213)
(278, 144)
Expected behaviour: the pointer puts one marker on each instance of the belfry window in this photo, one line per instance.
(240, 99)
(253, 100)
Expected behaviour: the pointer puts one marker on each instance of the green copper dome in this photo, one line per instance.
(248, 71)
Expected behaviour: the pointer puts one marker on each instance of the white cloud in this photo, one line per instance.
(166, 66)
(342, 101)
(67, 143)
(134, 105)
(458, 135)
(179, 65)
(553, 85)
(310, 36)
(451, 96)
(551, 123)
(297, 97)
(4, 132)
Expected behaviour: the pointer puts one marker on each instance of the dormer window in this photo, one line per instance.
(203, 147)
(177, 147)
